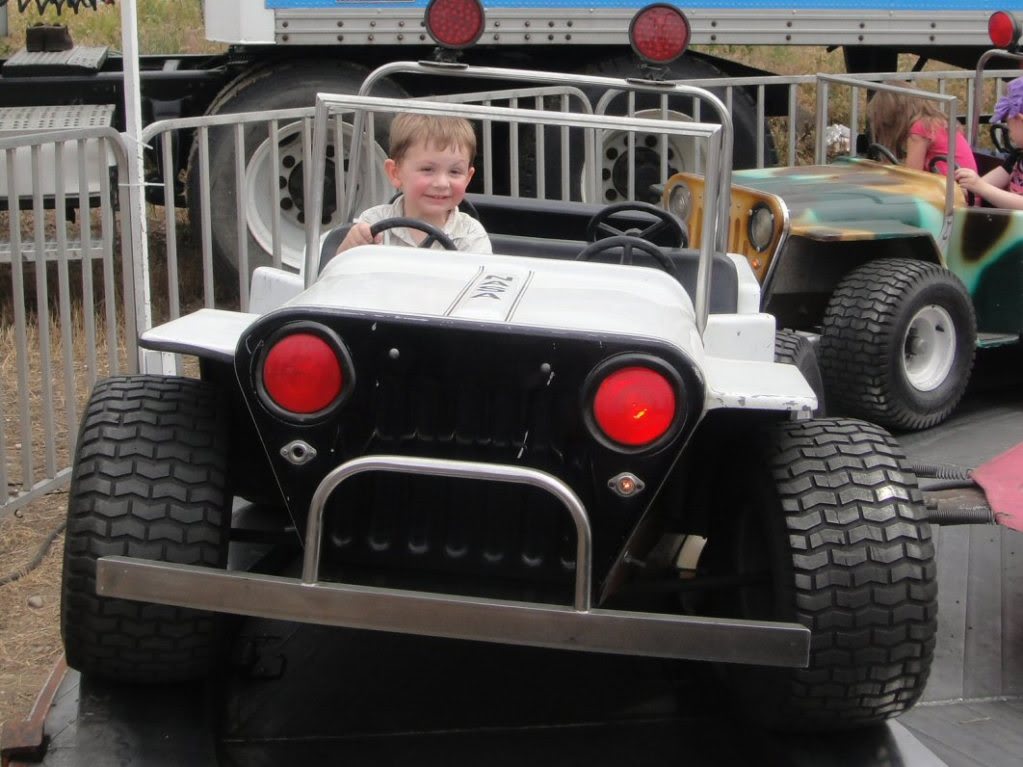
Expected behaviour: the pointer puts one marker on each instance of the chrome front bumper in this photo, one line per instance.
(575, 627)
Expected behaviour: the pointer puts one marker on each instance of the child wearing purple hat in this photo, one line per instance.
(1002, 187)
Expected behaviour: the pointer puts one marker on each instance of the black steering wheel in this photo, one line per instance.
(627, 244)
(934, 166)
(465, 206)
(999, 133)
(880, 152)
(603, 224)
(433, 234)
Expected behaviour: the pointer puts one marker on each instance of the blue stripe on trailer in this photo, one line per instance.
(732, 5)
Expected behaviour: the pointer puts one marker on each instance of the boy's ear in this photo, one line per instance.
(391, 169)
(469, 174)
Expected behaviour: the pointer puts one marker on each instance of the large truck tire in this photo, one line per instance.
(826, 528)
(682, 151)
(897, 343)
(149, 480)
(282, 85)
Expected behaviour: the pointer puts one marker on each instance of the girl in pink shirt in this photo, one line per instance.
(916, 130)
(928, 142)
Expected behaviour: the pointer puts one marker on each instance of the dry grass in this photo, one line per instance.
(56, 388)
(30, 599)
(164, 27)
(30, 606)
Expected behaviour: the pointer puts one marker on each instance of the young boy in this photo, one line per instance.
(1002, 186)
(430, 164)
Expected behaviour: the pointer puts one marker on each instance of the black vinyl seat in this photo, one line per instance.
(330, 244)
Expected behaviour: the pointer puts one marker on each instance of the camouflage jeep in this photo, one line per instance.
(899, 281)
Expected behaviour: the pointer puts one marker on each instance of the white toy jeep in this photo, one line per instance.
(528, 447)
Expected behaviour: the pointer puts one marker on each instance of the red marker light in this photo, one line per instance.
(1003, 29)
(302, 373)
(455, 23)
(659, 33)
(634, 406)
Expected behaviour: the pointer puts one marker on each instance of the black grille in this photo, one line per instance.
(463, 391)
(456, 525)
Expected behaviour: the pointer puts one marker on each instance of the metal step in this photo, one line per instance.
(36, 120)
(20, 120)
(79, 60)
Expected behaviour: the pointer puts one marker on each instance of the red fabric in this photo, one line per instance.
(1002, 481)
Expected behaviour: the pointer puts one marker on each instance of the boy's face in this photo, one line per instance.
(433, 180)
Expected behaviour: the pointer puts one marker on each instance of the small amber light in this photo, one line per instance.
(626, 484)
(756, 263)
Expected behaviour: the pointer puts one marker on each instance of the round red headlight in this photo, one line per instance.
(302, 373)
(659, 33)
(635, 406)
(1003, 29)
(454, 23)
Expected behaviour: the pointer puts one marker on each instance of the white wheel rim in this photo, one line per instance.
(613, 150)
(929, 348)
(263, 190)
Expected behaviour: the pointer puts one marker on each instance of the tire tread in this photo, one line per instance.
(149, 481)
(863, 572)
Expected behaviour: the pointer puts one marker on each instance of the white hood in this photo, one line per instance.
(545, 293)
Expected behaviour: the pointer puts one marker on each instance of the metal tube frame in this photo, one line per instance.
(716, 136)
(615, 84)
(440, 467)
(978, 86)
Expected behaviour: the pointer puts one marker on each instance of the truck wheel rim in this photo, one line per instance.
(613, 156)
(266, 186)
(929, 348)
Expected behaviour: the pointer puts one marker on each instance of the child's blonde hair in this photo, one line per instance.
(891, 115)
(439, 131)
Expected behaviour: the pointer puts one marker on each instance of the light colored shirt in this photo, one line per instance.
(466, 232)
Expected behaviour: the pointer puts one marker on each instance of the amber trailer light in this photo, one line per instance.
(1003, 29)
(635, 406)
(659, 33)
(303, 374)
(455, 23)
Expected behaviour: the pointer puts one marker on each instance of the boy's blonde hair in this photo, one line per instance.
(441, 132)
(891, 115)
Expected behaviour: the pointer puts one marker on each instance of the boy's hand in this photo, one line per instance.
(359, 234)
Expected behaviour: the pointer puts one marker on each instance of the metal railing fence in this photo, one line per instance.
(68, 310)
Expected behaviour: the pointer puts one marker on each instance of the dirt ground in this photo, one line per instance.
(30, 604)
(30, 596)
